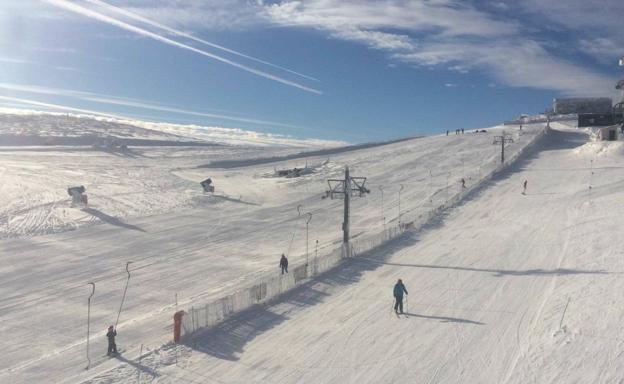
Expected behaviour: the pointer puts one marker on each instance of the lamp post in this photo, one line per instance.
(400, 189)
(316, 258)
(307, 225)
(448, 175)
(123, 298)
(383, 218)
(620, 84)
(89, 321)
(430, 186)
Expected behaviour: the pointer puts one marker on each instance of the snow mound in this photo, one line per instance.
(601, 148)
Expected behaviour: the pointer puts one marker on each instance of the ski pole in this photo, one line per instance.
(406, 304)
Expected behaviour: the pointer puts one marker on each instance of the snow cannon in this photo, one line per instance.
(78, 195)
(207, 185)
(72, 191)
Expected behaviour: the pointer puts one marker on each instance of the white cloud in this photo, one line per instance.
(233, 136)
(449, 18)
(377, 40)
(198, 14)
(598, 24)
(133, 103)
(602, 15)
(449, 34)
(36, 103)
(68, 69)
(54, 49)
(12, 60)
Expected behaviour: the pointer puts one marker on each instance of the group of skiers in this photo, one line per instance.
(457, 131)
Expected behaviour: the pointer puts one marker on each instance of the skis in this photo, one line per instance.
(119, 352)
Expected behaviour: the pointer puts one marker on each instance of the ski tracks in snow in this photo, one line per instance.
(523, 343)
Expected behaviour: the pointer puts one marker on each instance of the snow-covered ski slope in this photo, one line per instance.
(133, 181)
(209, 249)
(506, 288)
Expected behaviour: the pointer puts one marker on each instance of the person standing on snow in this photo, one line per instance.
(112, 347)
(284, 264)
(399, 288)
(524, 185)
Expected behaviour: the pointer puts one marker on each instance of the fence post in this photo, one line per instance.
(192, 318)
(177, 326)
(307, 225)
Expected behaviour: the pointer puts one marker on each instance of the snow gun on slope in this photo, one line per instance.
(207, 185)
(78, 195)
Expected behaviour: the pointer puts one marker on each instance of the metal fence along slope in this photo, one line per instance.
(200, 316)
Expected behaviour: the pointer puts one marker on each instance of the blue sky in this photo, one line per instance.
(333, 69)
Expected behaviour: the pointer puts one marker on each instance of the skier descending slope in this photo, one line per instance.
(112, 347)
(399, 288)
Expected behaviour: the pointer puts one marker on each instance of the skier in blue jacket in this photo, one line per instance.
(399, 288)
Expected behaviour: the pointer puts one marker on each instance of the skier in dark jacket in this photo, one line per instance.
(284, 264)
(399, 288)
(524, 187)
(112, 347)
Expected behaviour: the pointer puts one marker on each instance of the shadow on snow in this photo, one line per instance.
(138, 366)
(444, 319)
(228, 339)
(111, 220)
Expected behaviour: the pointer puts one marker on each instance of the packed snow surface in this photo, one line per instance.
(505, 288)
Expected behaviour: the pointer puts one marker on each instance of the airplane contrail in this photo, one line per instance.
(112, 100)
(57, 106)
(132, 28)
(145, 20)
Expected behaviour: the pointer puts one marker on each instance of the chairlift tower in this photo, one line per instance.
(348, 187)
(502, 140)
(620, 84)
